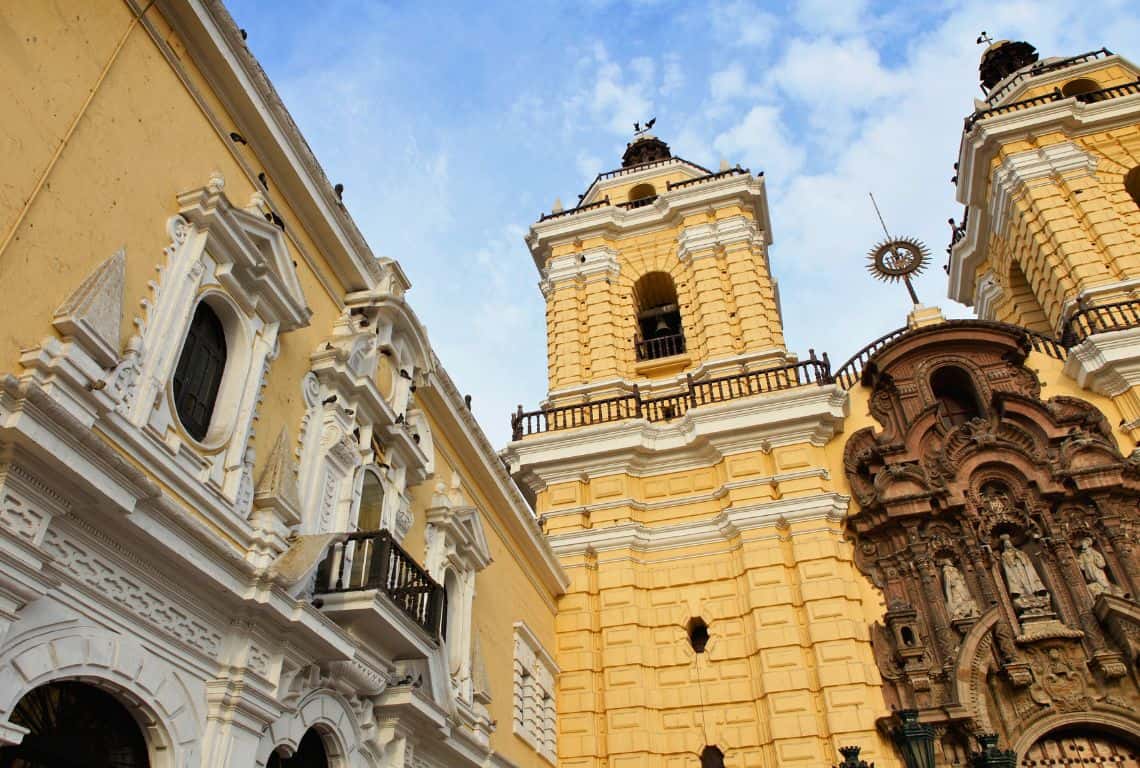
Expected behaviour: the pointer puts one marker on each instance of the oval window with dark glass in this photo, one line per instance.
(199, 373)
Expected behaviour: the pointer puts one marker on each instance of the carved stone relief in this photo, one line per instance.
(1004, 543)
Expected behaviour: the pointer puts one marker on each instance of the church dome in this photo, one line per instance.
(646, 148)
(1002, 59)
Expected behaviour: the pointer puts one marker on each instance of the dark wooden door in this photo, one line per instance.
(1082, 748)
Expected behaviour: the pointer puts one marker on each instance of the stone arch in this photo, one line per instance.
(145, 684)
(974, 668)
(1104, 722)
(332, 716)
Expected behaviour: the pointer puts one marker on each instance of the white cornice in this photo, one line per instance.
(702, 239)
(668, 209)
(1106, 363)
(701, 438)
(987, 295)
(723, 526)
(596, 263)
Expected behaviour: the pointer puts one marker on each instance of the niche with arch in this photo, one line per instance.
(642, 193)
(954, 391)
(660, 331)
(1079, 86)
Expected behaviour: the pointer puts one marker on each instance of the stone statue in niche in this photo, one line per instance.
(1093, 568)
(959, 601)
(1025, 586)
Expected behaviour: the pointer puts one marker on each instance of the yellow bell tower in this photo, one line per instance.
(1049, 172)
(679, 469)
(662, 269)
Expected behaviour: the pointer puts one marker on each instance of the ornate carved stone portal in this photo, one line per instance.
(1002, 531)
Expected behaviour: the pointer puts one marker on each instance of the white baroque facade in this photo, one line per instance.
(303, 597)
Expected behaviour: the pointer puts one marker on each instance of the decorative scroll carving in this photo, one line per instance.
(1003, 540)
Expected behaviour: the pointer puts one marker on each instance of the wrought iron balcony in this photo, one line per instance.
(370, 562)
(660, 346)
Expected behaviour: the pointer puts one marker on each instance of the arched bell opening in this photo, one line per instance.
(310, 753)
(660, 332)
(953, 388)
(72, 723)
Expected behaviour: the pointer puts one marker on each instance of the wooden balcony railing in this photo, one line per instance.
(660, 346)
(1118, 316)
(1046, 66)
(1127, 89)
(697, 393)
(373, 560)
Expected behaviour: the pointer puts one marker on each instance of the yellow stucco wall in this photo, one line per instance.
(93, 176)
(506, 591)
(102, 132)
(727, 302)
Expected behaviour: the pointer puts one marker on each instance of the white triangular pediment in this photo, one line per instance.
(261, 273)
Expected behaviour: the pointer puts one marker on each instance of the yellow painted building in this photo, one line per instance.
(247, 519)
(730, 602)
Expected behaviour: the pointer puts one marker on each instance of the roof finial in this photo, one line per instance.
(984, 38)
(638, 131)
(897, 258)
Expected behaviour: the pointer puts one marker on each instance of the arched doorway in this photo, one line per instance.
(310, 754)
(75, 725)
(1081, 746)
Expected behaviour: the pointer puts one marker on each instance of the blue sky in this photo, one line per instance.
(453, 126)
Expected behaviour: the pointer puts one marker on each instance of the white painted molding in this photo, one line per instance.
(981, 142)
(987, 296)
(600, 262)
(701, 438)
(725, 525)
(669, 209)
(1106, 363)
(701, 240)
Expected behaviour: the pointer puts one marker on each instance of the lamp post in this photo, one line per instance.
(914, 740)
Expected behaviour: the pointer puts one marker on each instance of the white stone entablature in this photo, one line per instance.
(702, 437)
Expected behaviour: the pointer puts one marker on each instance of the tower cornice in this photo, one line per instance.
(669, 209)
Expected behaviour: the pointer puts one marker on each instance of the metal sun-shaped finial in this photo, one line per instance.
(897, 258)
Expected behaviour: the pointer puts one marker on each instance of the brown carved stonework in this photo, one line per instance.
(1002, 531)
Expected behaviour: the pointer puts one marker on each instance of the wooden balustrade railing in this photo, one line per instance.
(1117, 316)
(665, 407)
(373, 560)
(1125, 89)
(659, 346)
